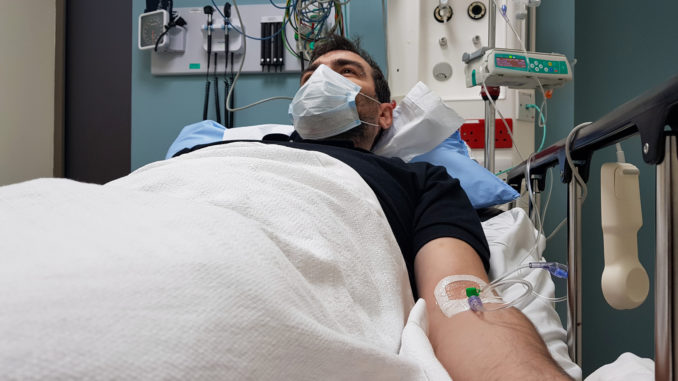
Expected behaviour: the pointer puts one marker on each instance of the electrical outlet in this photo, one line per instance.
(502, 137)
(525, 98)
(473, 133)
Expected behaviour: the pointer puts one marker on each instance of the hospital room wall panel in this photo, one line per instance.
(27, 90)
(163, 105)
(620, 55)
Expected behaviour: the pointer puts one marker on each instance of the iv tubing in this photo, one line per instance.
(554, 268)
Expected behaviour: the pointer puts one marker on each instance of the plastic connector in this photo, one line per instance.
(556, 269)
(474, 301)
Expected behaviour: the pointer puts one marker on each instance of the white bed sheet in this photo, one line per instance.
(176, 271)
(627, 367)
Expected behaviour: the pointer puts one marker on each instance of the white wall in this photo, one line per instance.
(27, 81)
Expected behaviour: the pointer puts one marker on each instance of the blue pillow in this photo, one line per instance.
(482, 187)
(207, 131)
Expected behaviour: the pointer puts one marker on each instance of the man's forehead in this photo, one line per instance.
(340, 56)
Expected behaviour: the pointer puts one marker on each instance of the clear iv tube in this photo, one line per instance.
(477, 305)
(493, 299)
(554, 268)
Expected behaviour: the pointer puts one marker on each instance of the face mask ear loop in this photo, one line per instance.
(369, 97)
(371, 124)
(368, 123)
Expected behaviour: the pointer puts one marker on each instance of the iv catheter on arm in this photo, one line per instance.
(505, 340)
(459, 293)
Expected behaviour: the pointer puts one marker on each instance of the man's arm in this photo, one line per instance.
(493, 345)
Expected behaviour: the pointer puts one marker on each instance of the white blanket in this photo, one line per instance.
(627, 367)
(245, 261)
(262, 274)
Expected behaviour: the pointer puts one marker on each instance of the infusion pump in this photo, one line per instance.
(512, 68)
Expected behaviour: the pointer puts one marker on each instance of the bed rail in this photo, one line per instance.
(647, 115)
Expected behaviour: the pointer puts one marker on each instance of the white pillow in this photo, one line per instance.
(420, 122)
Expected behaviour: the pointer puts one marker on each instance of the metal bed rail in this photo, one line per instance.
(647, 115)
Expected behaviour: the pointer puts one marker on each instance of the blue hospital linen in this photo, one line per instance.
(203, 132)
(482, 187)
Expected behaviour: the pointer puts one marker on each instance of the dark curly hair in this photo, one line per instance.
(336, 42)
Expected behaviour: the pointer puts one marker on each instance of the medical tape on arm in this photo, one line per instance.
(450, 293)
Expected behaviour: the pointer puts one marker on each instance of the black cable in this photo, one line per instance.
(216, 91)
(157, 42)
(207, 96)
(231, 121)
(208, 10)
(151, 5)
(227, 42)
(174, 21)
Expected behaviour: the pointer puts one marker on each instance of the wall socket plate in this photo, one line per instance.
(473, 133)
(525, 97)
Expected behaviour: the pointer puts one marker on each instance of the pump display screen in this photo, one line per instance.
(517, 63)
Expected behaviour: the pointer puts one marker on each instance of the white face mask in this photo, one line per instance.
(325, 105)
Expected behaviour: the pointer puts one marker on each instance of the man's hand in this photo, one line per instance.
(493, 345)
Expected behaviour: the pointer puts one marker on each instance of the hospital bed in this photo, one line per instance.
(242, 260)
(239, 260)
(647, 116)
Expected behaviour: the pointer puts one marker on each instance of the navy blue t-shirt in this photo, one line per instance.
(421, 201)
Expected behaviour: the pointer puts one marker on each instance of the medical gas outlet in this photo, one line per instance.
(624, 282)
(516, 70)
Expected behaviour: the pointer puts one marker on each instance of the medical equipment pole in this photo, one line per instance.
(665, 266)
(574, 263)
(489, 106)
(532, 27)
(489, 136)
(535, 202)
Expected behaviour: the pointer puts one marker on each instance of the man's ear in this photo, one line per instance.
(385, 119)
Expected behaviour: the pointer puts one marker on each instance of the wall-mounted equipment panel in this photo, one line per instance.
(266, 52)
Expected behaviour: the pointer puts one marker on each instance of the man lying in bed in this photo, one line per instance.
(341, 110)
